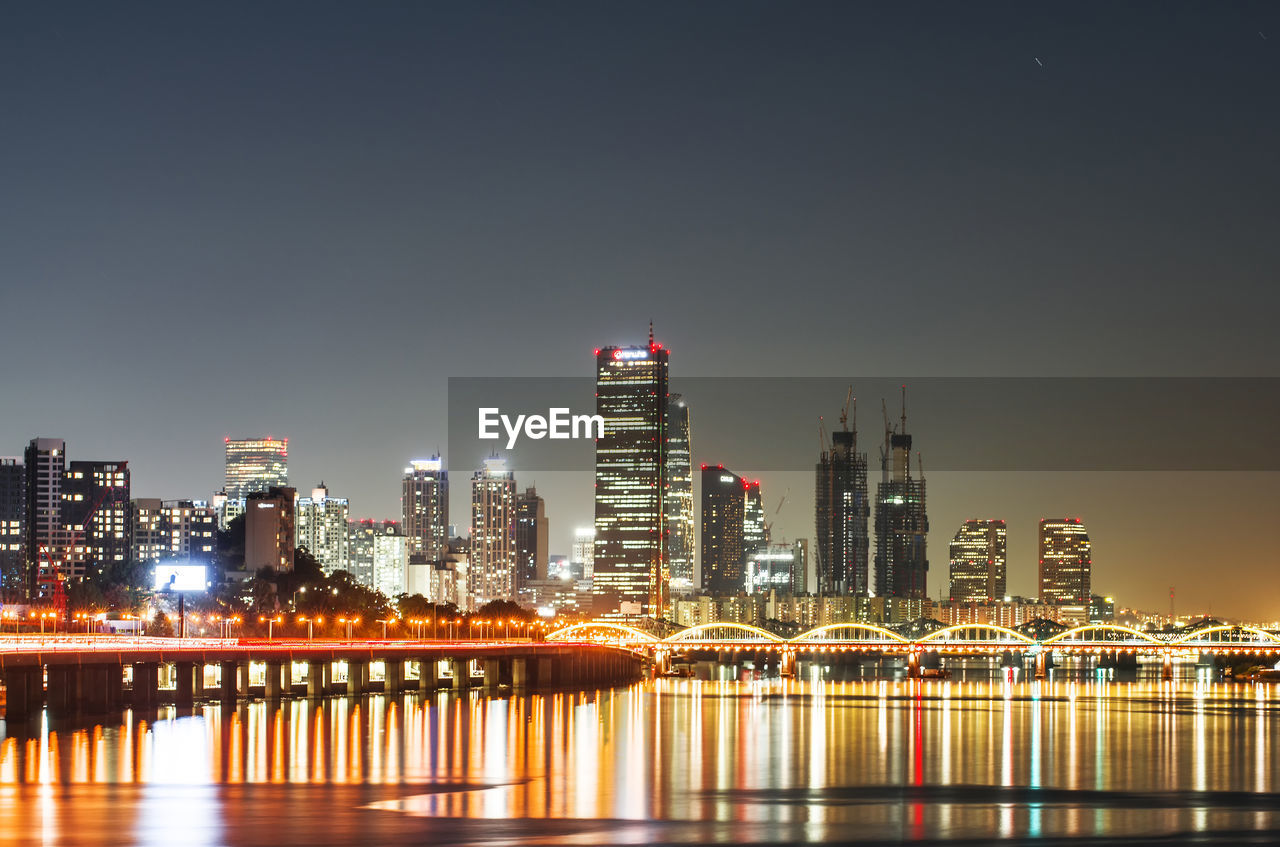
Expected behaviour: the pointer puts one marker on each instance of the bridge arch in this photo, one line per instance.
(692, 632)
(1102, 627)
(625, 633)
(938, 634)
(1262, 634)
(809, 635)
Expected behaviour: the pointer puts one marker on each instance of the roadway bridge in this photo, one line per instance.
(1104, 642)
(96, 674)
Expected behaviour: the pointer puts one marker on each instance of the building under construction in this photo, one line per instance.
(842, 510)
(902, 524)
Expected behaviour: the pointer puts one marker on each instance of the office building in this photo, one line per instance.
(978, 562)
(391, 560)
(1066, 562)
(630, 570)
(13, 526)
(754, 530)
(582, 557)
(842, 549)
(322, 528)
(723, 551)
(902, 523)
(531, 540)
(270, 530)
(255, 465)
(771, 567)
(493, 533)
(679, 493)
(424, 499)
(800, 571)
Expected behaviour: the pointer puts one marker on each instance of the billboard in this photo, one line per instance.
(180, 578)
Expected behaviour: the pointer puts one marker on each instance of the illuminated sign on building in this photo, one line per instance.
(630, 354)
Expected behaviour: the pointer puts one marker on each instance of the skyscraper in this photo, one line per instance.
(531, 540)
(255, 465)
(360, 536)
(45, 461)
(322, 528)
(424, 499)
(631, 575)
(978, 562)
(270, 532)
(901, 520)
(723, 553)
(13, 524)
(390, 560)
(680, 520)
(753, 526)
(493, 533)
(96, 515)
(1066, 561)
(583, 556)
(842, 511)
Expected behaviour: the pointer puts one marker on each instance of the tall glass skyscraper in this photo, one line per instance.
(723, 522)
(1066, 561)
(680, 526)
(902, 524)
(424, 499)
(255, 465)
(978, 562)
(842, 512)
(631, 569)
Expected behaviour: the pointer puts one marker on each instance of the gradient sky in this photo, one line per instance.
(301, 219)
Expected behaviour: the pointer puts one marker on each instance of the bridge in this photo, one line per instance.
(1112, 642)
(96, 674)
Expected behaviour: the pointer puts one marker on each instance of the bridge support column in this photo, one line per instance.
(428, 675)
(787, 664)
(1166, 671)
(543, 675)
(913, 665)
(393, 676)
(232, 687)
(357, 677)
(519, 674)
(62, 690)
(1041, 665)
(273, 685)
(661, 662)
(492, 673)
(461, 673)
(25, 692)
(185, 684)
(317, 679)
(146, 682)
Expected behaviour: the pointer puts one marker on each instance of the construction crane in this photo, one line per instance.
(844, 410)
(768, 527)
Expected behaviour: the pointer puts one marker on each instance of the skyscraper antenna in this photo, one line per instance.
(650, 333)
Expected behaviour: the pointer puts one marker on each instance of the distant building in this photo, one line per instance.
(723, 550)
(45, 461)
(771, 567)
(1066, 562)
(902, 523)
(583, 556)
(226, 509)
(96, 516)
(270, 530)
(754, 531)
(842, 545)
(531, 540)
(424, 498)
(322, 529)
(631, 575)
(800, 571)
(1102, 609)
(13, 524)
(978, 562)
(255, 465)
(679, 505)
(391, 560)
(360, 536)
(182, 529)
(493, 533)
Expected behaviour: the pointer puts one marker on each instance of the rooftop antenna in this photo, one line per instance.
(651, 333)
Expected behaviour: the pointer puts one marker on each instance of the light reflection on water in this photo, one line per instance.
(841, 760)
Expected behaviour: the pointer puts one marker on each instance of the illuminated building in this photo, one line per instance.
(800, 571)
(584, 551)
(532, 548)
(630, 572)
(390, 560)
(771, 568)
(1066, 562)
(226, 509)
(722, 531)
(255, 465)
(841, 508)
(46, 541)
(754, 532)
(901, 563)
(184, 529)
(424, 500)
(360, 536)
(269, 529)
(322, 528)
(13, 522)
(493, 533)
(96, 516)
(978, 562)
(680, 521)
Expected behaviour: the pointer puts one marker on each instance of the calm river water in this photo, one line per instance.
(667, 761)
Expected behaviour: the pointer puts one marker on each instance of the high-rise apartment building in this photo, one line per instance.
(978, 562)
(255, 465)
(390, 560)
(583, 556)
(531, 540)
(46, 545)
(842, 511)
(902, 524)
(96, 516)
(493, 533)
(322, 528)
(181, 529)
(13, 525)
(1066, 561)
(360, 537)
(723, 550)
(631, 574)
(680, 511)
(424, 499)
(270, 529)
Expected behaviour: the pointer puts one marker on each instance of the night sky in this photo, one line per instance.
(302, 219)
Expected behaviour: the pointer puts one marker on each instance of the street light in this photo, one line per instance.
(296, 592)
